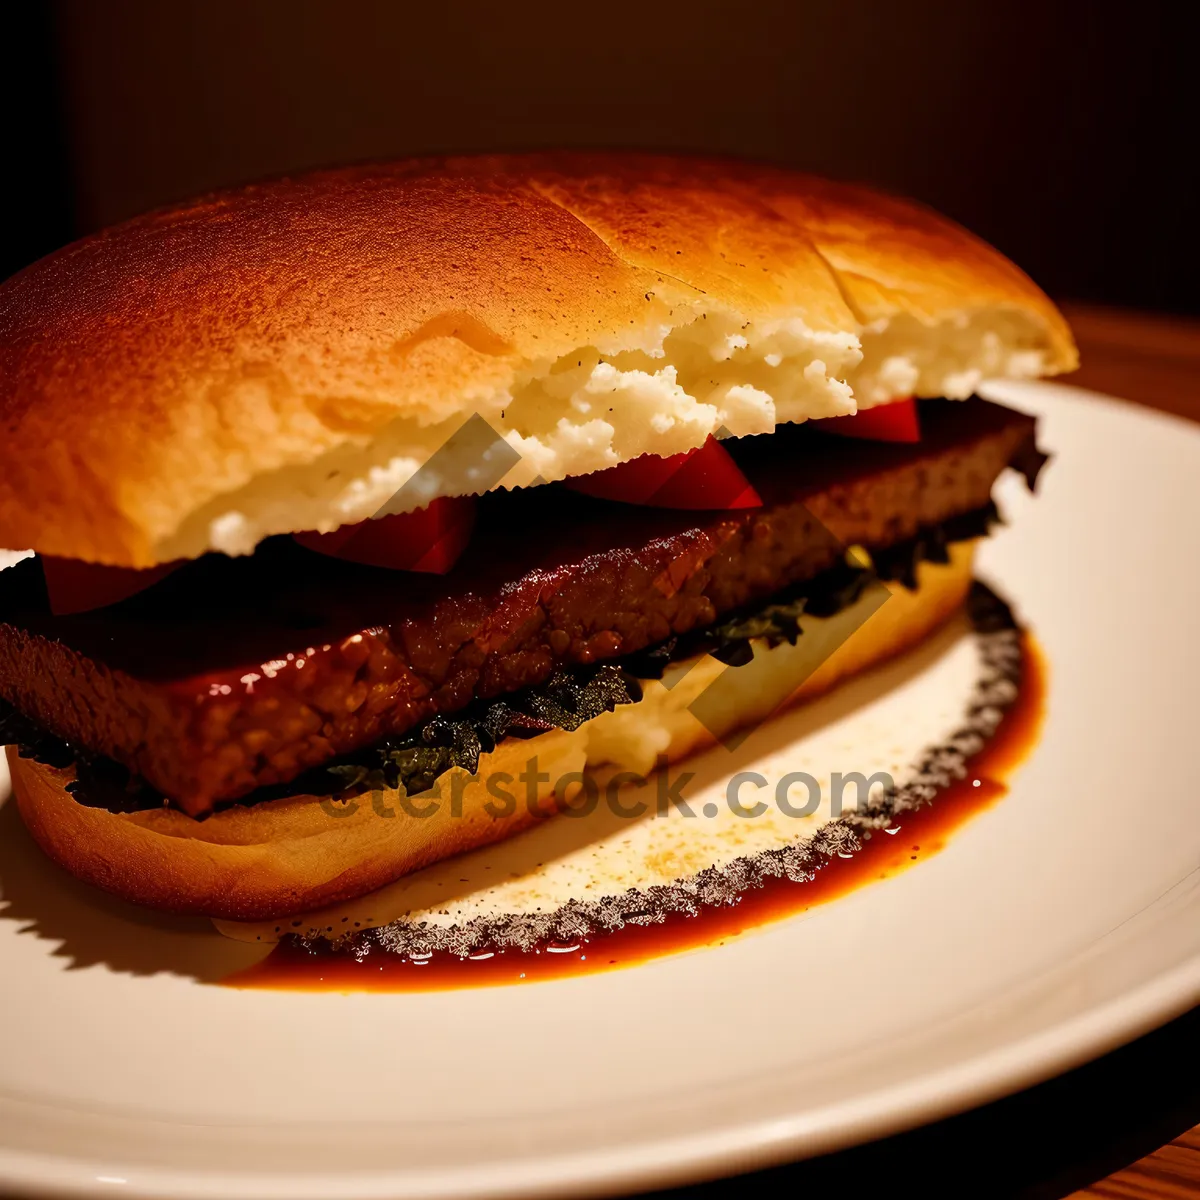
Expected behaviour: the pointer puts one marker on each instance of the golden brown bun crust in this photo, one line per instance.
(288, 856)
(150, 371)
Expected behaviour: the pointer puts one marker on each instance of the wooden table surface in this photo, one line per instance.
(1126, 1127)
(1151, 359)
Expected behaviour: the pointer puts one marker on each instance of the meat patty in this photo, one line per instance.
(236, 673)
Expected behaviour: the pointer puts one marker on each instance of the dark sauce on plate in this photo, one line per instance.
(918, 835)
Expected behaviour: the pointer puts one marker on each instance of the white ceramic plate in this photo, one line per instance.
(1058, 924)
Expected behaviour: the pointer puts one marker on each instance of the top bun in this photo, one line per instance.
(287, 355)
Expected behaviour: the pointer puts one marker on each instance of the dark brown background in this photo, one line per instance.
(1062, 132)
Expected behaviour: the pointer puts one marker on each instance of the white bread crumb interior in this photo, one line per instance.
(666, 393)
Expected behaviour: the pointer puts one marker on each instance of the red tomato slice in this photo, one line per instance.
(893, 422)
(704, 478)
(428, 540)
(75, 587)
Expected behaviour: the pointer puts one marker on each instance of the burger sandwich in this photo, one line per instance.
(374, 510)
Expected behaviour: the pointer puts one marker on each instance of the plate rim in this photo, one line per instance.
(749, 1146)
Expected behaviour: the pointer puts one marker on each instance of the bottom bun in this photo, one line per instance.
(282, 857)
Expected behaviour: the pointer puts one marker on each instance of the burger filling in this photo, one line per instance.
(319, 665)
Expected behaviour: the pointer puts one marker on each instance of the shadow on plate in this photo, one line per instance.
(94, 928)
